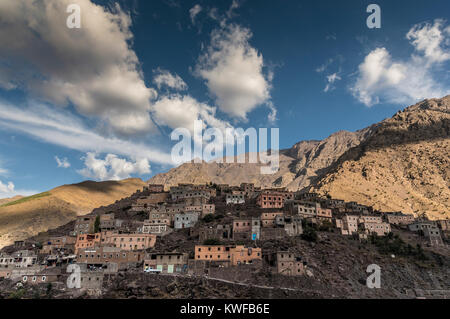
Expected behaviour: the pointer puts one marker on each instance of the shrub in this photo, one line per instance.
(309, 234)
(208, 218)
(212, 242)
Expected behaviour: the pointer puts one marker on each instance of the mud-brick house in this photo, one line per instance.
(185, 220)
(154, 188)
(107, 222)
(247, 228)
(289, 264)
(229, 254)
(270, 199)
(235, 199)
(444, 226)
(378, 228)
(84, 225)
(348, 225)
(19, 259)
(156, 228)
(58, 243)
(109, 258)
(430, 230)
(219, 232)
(399, 219)
(172, 262)
(87, 240)
(133, 241)
(268, 218)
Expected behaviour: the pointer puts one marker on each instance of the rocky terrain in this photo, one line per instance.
(399, 164)
(28, 216)
(336, 269)
(404, 165)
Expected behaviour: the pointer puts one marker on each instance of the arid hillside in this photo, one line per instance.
(7, 200)
(403, 166)
(28, 216)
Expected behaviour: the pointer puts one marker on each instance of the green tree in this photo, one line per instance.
(97, 224)
(309, 234)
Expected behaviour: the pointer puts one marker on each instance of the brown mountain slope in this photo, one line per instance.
(7, 200)
(298, 165)
(403, 166)
(31, 215)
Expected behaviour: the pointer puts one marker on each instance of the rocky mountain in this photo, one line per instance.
(27, 216)
(403, 165)
(299, 165)
(399, 164)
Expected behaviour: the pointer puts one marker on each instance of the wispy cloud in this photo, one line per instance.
(64, 129)
(194, 11)
(62, 163)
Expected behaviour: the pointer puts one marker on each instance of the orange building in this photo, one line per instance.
(131, 241)
(234, 255)
(87, 241)
(270, 199)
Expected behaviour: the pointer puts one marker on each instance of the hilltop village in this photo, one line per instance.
(207, 231)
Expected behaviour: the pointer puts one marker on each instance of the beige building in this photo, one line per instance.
(290, 265)
(19, 259)
(166, 262)
(348, 225)
(233, 255)
(84, 225)
(399, 219)
(379, 228)
(131, 241)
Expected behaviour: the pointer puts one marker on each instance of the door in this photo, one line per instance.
(169, 269)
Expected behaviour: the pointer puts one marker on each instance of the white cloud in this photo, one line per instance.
(6, 188)
(430, 39)
(173, 81)
(93, 67)
(178, 111)
(64, 129)
(194, 11)
(233, 71)
(332, 78)
(63, 163)
(112, 167)
(383, 79)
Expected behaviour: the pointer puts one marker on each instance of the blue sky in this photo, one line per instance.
(100, 102)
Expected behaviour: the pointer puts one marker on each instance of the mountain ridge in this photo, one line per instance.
(422, 128)
(60, 206)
